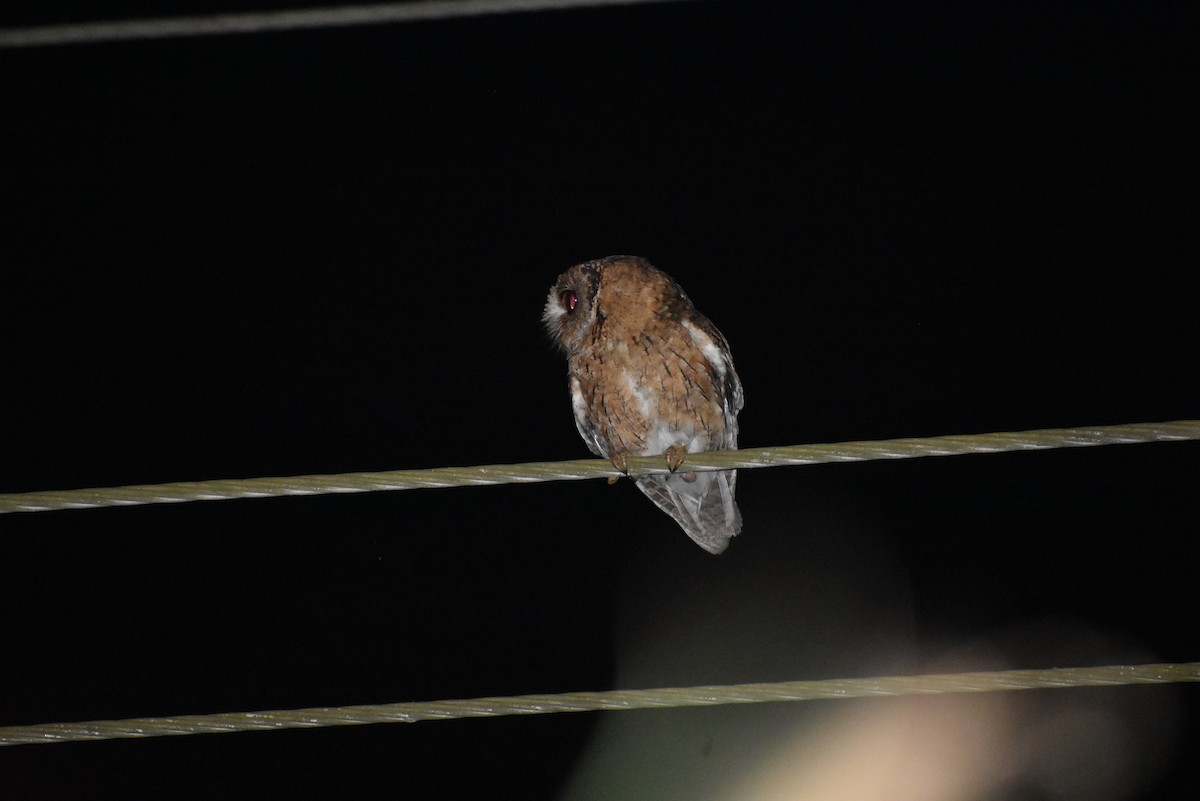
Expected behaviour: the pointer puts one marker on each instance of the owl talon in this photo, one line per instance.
(621, 462)
(676, 454)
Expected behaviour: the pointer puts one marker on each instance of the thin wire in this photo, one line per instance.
(531, 472)
(612, 700)
(283, 20)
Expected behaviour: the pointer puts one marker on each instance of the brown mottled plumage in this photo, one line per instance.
(649, 375)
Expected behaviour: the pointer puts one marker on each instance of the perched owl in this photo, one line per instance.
(650, 375)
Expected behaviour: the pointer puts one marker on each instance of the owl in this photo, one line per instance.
(650, 375)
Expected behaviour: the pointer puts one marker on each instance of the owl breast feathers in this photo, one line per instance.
(650, 375)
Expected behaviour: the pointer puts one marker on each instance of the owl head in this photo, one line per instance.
(571, 308)
(627, 291)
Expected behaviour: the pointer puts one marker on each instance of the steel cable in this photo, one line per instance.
(610, 700)
(909, 448)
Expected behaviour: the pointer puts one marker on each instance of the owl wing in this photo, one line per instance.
(704, 508)
(732, 401)
(712, 343)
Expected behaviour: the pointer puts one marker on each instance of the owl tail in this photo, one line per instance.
(703, 507)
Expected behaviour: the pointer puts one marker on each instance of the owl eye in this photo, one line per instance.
(568, 299)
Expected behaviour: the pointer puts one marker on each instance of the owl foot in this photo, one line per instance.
(621, 462)
(676, 454)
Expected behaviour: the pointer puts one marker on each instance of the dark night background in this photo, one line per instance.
(328, 250)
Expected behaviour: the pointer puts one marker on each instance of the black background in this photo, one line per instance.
(327, 250)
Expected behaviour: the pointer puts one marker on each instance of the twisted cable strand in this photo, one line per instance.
(610, 700)
(908, 448)
(283, 20)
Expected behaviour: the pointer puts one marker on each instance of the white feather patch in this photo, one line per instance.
(554, 309)
(709, 348)
(582, 423)
(640, 394)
